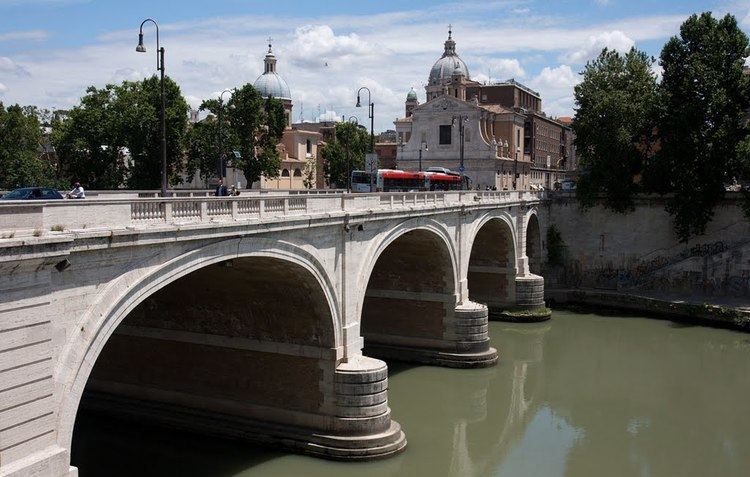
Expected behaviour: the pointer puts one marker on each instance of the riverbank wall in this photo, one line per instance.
(638, 254)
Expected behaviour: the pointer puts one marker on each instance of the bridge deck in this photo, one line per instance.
(37, 218)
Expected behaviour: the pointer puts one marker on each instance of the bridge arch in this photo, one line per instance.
(130, 292)
(408, 291)
(533, 245)
(492, 267)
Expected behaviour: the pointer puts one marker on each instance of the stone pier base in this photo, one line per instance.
(529, 306)
(465, 342)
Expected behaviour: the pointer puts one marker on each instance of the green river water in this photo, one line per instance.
(581, 395)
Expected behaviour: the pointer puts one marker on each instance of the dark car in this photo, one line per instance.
(32, 193)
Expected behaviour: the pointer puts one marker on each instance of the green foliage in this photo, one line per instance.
(702, 122)
(139, 103)
(250, 124)
(92, 144)
(203, 150)
(616, 104)
(555, 246)
(346, 152)
(21, 161)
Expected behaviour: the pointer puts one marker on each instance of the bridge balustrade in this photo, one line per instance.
(23, 218)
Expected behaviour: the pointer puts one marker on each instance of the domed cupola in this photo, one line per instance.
(270, 84)
(411, 96)
(448, 65)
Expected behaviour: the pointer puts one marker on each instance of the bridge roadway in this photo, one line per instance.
(253, 317)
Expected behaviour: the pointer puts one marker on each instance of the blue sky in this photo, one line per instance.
(51, 50)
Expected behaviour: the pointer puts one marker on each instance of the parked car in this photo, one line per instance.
(32, 193)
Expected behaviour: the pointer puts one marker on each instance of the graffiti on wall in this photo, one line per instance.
(715, 268)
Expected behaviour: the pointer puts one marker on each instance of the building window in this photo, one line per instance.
(297, 172)
(445, 134)
(467, 135)
(285, 173)
(308, 144)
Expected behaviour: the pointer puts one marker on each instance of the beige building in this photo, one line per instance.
(506, 136)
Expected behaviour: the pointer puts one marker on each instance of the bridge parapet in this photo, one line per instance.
(38, 217)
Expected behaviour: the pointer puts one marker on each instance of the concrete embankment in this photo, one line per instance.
(685, 310)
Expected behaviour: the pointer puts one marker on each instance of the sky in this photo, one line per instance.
(52, 50)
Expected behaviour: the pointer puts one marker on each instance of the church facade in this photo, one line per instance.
(491, 130)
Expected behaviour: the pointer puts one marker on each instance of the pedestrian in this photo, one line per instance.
(221, 189)
(77, 192)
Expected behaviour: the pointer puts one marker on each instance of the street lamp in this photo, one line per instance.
(353, 120)
(422, 145)
(159, 67)
(371, 115)
(220, 138)
(462, 119)
(515, 166)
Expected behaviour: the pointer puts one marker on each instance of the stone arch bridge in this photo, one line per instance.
(254, 317)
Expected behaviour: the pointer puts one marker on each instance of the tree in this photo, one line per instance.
(88, 142)
(139, 104)
(117, 121)
(202, 149)
(250, 124)
(614, 126)
(255, 125)
(702, 125)
(21, 163)
(346, 152)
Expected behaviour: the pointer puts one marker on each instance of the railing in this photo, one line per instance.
(43, 217)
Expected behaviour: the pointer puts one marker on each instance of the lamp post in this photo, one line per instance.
(461, 118)
(353, 120)
(371, 115)
(218, 133)
(159, 67)
(422, 145)
(515, 166)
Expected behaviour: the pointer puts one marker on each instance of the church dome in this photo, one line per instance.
(412, 95)
(270, 84)
(448, 64)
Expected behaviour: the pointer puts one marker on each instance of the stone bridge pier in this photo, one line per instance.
(269, 329)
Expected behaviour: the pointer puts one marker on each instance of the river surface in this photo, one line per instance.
(581, 395)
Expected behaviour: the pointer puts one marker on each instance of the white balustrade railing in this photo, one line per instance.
(43, 216)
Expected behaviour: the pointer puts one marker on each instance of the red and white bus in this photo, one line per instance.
(394, 180)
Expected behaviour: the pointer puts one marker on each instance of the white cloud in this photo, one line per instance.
(3, 88)
(658, 70)
(556, 88)
(495, 69)
(329, 116)
(603, 3)
(317, 46)
(10, 67)
(23, 35)
(560, 78)
(614, 40)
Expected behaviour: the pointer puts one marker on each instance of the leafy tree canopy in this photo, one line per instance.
(118, 122)
(345, 153)
(22, 162)
(614, 128)
(702, 122)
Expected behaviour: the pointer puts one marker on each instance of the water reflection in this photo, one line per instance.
(582, 395)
